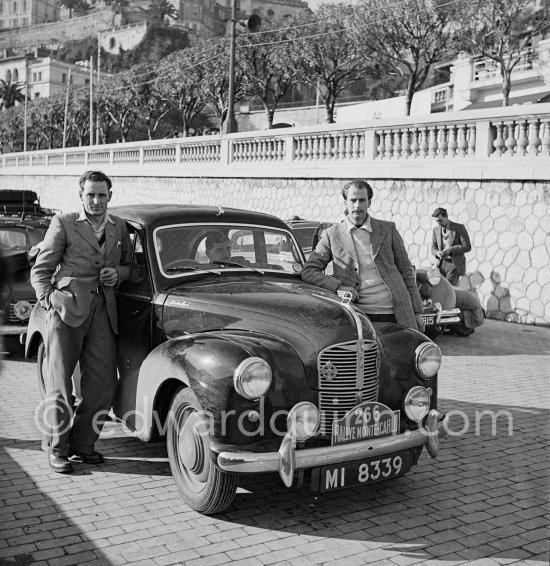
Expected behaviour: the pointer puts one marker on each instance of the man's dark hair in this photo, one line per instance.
(95, 176)
(439, 212)
(358, 184)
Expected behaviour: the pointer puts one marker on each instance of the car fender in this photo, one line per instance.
(206, 363)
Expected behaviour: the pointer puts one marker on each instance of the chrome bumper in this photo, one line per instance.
(449, 316)
(254, 462)
(12, 329)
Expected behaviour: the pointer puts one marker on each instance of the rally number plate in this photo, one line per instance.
(359, 472)
(428, 319)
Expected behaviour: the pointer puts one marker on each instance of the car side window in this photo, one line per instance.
(139, 276)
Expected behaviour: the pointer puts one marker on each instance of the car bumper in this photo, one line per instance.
(12, 329)
(255, 462)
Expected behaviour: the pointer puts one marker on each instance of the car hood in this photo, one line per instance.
(304, 316)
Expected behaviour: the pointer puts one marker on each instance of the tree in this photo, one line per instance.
(333, 57)
(78, 116)
(118, 102)
(151, 103)
(181, 76)
(214, 88)
(408, 36)
(12, 129)
(10, 93)
(47, 114)
(503, 31)
(270, 63)
(75, 6)
(161, 11)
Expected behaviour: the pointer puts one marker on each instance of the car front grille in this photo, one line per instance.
(347, 377)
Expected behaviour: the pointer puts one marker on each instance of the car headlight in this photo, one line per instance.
(22, 310)
(434, 277)
(417, 403)
(427, 358)
(252, 378)
(303, 420)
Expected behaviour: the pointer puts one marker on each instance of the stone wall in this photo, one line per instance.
(508, 222)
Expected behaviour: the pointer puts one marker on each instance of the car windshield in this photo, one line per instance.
(13, 239)
(214, 247)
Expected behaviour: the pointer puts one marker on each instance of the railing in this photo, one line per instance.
(489, 138)
(488, 68)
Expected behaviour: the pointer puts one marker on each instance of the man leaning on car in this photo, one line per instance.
(370, 262)
(83, 257)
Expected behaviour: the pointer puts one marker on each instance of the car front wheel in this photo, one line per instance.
(202, 485)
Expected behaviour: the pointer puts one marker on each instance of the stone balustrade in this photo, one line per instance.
(489, 168)
(502, 143)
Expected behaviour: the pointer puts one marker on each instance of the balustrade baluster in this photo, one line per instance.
(545, 147)
(442, 144)
(405, 143)
(510, 140)
(381, 147)
(396, 135)
(499, 139)
(453, 144)
(432, 141)
(471, 139)
(315, 148)
(462, 143)
(534, 139)
(347, 141)
(522, 140)
(415, 146)
(389, 145)
(355, 145)
(424, 143)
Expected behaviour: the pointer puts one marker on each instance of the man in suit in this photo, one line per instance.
(450, 241)
(370, 261)
(83, 257)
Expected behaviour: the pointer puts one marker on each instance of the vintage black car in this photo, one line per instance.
(23, 223)
(246, 369)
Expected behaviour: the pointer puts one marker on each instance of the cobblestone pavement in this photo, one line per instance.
(483, 501)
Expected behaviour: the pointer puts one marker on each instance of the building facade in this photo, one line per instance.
(44, 76)
(21, 13)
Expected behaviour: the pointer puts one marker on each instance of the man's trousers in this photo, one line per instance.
(93, 345)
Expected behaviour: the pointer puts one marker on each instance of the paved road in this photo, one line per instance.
(483, 501)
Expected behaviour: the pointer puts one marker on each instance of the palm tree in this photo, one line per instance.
(160, 10)
(10, 93)
(73, 6)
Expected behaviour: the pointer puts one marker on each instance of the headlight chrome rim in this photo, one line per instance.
(22, 310)
(300, 422)
(245, 381)
(414, 409)
(421, 359)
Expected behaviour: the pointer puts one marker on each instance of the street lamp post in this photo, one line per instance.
(230, 124)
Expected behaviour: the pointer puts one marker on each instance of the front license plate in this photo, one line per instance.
(428, 319)
(359, 472)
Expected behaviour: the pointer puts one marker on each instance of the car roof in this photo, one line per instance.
(153, 214)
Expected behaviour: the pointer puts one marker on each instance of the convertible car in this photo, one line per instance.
(246, 369)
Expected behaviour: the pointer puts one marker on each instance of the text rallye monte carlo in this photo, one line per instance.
(247, 369)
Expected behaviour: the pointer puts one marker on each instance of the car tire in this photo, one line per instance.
(433, 332)
(202, 485)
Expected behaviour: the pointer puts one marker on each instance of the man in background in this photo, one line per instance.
(450, 241)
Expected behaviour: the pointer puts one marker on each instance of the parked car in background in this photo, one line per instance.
(23, 224)
(307, 232)
(244, 368)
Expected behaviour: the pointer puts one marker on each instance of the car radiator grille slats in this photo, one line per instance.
(340, 385)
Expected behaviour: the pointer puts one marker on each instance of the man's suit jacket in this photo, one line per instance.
(65, 276)
(460, 244)
(390, 257)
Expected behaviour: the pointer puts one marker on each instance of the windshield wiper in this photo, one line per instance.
(235, 264)
(189, 268)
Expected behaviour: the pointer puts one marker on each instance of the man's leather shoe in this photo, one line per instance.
(81, 458)
(60, 464)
